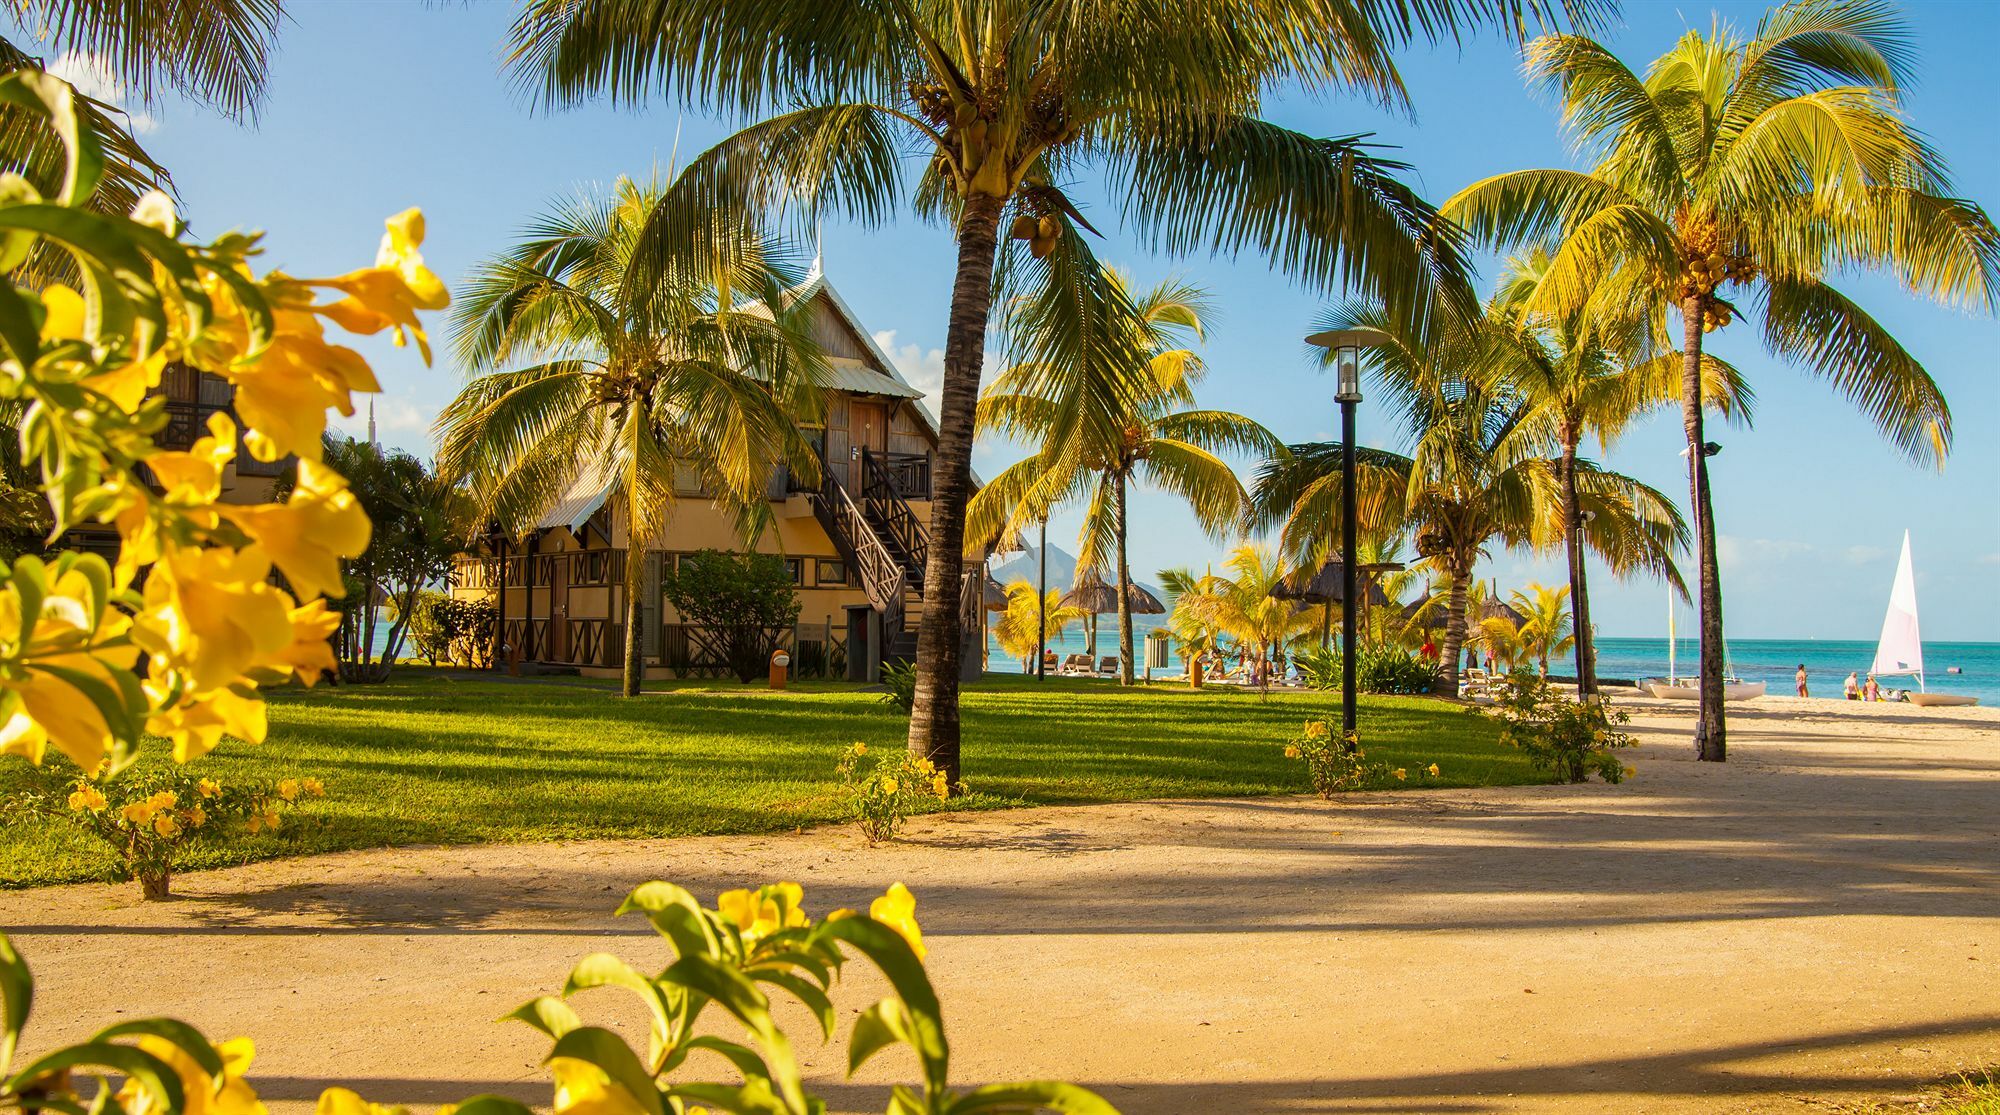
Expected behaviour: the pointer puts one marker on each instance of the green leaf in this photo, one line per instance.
(753, 1097)
(493, 1105)
(119, 715)
(743, 1057)
(52, 98)
(18, 328)
(677, 915)
(889, 952)
(183, 1036)
(601, 969)
(1032, 1095)
(609, 1052)
(885, 1024)
(149, 1071)
(814, 999)
(546, 1013)
(17, 998)
(740, 997)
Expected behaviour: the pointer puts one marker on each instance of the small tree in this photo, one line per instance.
(746, 600)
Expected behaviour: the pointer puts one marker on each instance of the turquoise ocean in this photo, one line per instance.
(1771, 661)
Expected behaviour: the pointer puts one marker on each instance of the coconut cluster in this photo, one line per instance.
(1709, 259)
(1039, 231)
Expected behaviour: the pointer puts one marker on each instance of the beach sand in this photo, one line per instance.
(1812, 927)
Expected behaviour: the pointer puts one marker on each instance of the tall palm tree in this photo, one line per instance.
(594, 365)
(1765, 164)
(1546, 629)
(1594, 371)
(213, 52)
(1029, 622)
(1244, 606)
(1101, 423)
(1005, 102)
(1479, 471)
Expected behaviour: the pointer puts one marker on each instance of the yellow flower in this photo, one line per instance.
(255, 824)
(389, 294)
(1292, 751)
(86, 798)
(289, 789)
(1630, 771)
(307, 535)
(138, 814)
(38, 703)
(199, 722)
(897, 909)
(890, 785)
(211, 616)
(208, 787)
(311, 653)
(1432, 770)
(166, 825)
(197, 817)
(202, 1095)
(271, 819)
(1401, 774)
(860, 748)
(340, 1101)
(940, 785)
(583, 1089)
(314, 787)
(1316, 728)
(758, 915)
(194, 478)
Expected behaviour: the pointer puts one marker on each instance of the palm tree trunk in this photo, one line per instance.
(1454, 634)
(1710, 744)
(635, 571)
(1586, 655)
(1124, 589)
(934, 725)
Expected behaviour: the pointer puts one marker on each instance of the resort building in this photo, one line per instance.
(855, 542)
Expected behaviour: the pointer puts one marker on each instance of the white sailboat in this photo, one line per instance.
(1901, 647)
(1677, 688)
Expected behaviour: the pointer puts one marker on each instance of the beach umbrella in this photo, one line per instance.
(1495, 608)
(1323, 586)
(1096, 598)
(995, 596)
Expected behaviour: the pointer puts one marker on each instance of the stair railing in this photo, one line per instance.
(883, 499)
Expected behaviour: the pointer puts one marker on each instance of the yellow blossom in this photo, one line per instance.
(166, 825)
(583, 1089)
(289, 789)
(940, 785)
(314, 787)
(86, 798)
(196, 724)
(341, 1101)
(309, 533)
(38, 703)
(860, 748)
(1401, 774)
(890, 785)
(897, 909)
(211, 615)
(761, 913)
(1630, 771)
(197, 817)
(271, 819)
(208, 787)
(1316, 728)
(201, 1094)
(310, 653)
(388, 295)
(1432, 770)
(138, 814)
(1291, 751)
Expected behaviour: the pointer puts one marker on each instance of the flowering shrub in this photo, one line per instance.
(1335, 761)
(887, 789)
(733, 958)
(1575, 739)
(209, 625)
(148, 818)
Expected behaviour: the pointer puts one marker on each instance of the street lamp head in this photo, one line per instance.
(1344, 353)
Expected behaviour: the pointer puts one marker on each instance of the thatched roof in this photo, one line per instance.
(1100, 599)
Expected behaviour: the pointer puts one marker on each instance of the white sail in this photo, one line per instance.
(1901, 649)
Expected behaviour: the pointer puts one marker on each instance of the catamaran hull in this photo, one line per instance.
(1941, 700)
(1731, 691)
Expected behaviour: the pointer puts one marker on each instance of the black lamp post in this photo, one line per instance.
(1344, 353)
(1042, 604)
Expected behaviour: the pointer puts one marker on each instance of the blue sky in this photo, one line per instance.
(378, 106)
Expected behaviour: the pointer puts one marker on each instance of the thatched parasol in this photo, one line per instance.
(1495, 608)
(1324, 586)
(1099, 599)
(995, 596)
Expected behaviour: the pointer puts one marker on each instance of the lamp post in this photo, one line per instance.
(1042, 603)
(1344, 353)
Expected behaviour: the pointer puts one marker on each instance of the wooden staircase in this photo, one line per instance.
(885, 542)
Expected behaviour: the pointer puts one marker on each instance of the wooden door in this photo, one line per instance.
(867, 428)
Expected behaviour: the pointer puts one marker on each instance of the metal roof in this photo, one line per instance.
(582, 499)
(848, 374)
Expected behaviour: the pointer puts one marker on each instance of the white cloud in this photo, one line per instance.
(1865, 555)
(93, 76)
(922, 367)
(400, 422)
(1734, 552)
(1990, 559)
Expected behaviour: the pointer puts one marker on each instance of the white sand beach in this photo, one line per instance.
(1814, 926)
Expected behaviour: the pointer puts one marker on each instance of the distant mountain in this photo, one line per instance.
(1062, 569)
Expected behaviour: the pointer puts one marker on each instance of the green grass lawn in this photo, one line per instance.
(439, 758)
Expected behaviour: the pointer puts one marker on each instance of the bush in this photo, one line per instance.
(748, 600)
(753, 946)
(889, 789)
(1388, 669)
(427, 625)
(1575, 739)
(901, 678)
(457, 631)
(1320, 666)
(1335, 761)
(147, 818)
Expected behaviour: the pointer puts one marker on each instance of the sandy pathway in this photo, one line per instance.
(1820, 918)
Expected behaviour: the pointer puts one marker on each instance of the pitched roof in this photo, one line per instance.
(582, 499)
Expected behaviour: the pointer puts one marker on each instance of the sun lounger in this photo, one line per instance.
(1108, 665)
(1075, 665)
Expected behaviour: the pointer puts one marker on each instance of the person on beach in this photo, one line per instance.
(1874, 690)
(1801, 678)
(1852, 687)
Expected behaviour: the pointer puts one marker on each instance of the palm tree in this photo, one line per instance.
(1103, 423)
(213, 52)
(1590, 370)
(1005, 102)
(1015, 630)
(1244, 607)
(596, 366)
(1479, 471)
(1766, 164)
(1547, 630)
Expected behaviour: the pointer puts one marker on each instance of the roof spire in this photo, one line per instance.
(371, 422)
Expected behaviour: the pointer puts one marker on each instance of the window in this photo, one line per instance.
(797, 568)
(832, 571)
